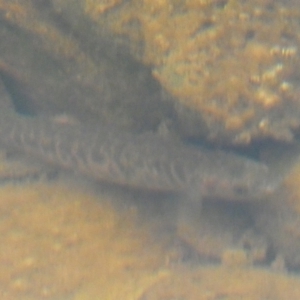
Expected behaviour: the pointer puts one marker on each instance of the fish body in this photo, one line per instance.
(146, 161)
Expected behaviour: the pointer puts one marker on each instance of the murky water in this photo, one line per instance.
(130, 209)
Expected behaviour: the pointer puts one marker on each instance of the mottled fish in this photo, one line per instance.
(146, 162)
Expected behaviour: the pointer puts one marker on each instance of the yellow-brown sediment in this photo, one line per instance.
(55, 241)
(232, 61)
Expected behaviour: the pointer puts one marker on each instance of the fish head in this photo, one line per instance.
(241, 180)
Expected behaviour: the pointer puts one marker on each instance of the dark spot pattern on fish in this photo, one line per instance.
(146, 162)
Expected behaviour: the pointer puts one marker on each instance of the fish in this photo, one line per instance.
(139, 161)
